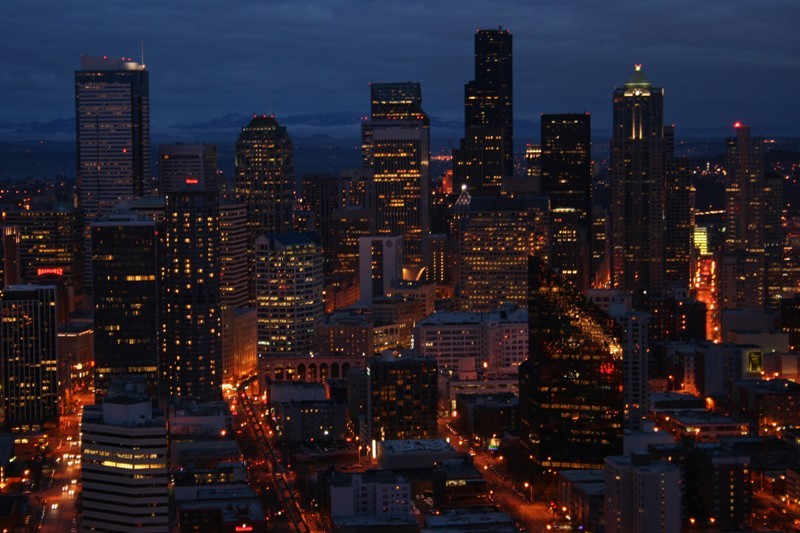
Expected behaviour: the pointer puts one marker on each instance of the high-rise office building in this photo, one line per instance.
(112, 115)
(265, 175)
(753, 247)
(486, 153)
(566, 178)
(265, 183)
(320, 195)
(642, 495)
(566, 161)
(380, 265)
(288, 293)
(9, 256)
(637, 186)
(179, 162)
(495, 236)
(349, 224)
(679, 197)
(571, 405)
(124, 467)
(396, 149)
(190, 333)
(744, 191)
(402, 398)
(238, 318)
(28, 332)
(49, 247)
(125, 284)
(232, 254)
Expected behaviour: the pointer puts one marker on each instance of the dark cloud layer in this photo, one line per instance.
(718, 61)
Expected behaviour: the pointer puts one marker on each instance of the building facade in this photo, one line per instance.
(123, 435)
(571, 403)
(28, 332)
(486, 153)
(125, 283)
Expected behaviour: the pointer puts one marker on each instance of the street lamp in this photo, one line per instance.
(530, 486)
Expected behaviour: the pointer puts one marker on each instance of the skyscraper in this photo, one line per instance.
(571, 405)
(486, 153)
(380, 265)
(642, 495)
(745, 263)
(9, 255)
(264, 183)
(402, 396)
(288, 293)
(49, 243)
(265, 175)
(396, 148)
(125, 272)
(122, 436)
(679, 196)
(177, 162)
(28, 348)
(566, 178)
(495, 236)
(190, 334)
(566, 161)
(112, 115)
(637, 185)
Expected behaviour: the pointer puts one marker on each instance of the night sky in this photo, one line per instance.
(718, 61)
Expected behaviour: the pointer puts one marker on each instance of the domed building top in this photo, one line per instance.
(638, 79)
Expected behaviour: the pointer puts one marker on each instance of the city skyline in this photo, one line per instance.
(569, 63)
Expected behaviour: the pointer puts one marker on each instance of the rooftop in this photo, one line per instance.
(416, 446)
(770, 386)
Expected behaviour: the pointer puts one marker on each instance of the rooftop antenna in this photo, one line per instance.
(142, 52)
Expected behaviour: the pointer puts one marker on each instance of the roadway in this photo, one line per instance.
(273, 470)
(534, 516)
(59, 490)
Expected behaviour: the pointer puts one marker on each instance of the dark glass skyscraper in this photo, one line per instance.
(486, 153)
(566, 178)
(402, 396)
(637, 186)
(396, 149)
(28, 356)
(190, 313)
(753, 244)
(112, 115)
(125, 272)
(264, 183)
(570, 388)
(265, 175)
(566, 161)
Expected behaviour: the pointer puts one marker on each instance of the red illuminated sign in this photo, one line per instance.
(244, 527)
(191, 181)
(50, 271)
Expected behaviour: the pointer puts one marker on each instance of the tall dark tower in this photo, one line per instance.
(637, 186)
(125, 272)
(752, 247)
(570, 388)
(28, 357)
(190, 308)
(679, 196)
(112, 116)
(396, 150)
(486, 153)
(265, 175)
(264, 183)
(566, 178)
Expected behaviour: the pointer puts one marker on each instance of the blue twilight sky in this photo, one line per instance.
(719, 61)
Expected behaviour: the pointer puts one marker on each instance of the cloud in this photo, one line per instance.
(717, 61)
